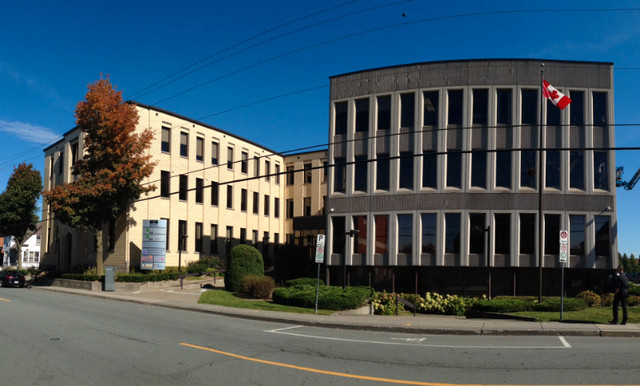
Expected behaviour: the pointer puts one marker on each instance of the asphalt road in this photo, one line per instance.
(49, 338)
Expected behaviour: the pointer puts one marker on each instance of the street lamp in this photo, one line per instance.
(351, 233)
(487, 230)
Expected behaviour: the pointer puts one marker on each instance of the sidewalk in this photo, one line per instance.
(187, 299)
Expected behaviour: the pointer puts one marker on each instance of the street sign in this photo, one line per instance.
(564, 241)
(154, 236)
(320, 248)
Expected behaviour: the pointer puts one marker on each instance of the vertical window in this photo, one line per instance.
(254, 237)
(184, 144)
(61, 163)
(168, 234)
(265, 243)
(256, 163)
(384, 112)
(454, 114)
(479, 169)
(244, 162)
(527, 233)
(276, 207)
(502, 243)
(184, 187)
(454, 168)
(198, 237)
(267, 170)
(452, 233)
(504, 109)
(406, 170)
(382, 171)
(382, 234)
(74, 153)
(576, 235)
(229, 236)
(339, 175)
(576, 108)
(215, 187)
(480, 107)
(290, 175)
(199, 190)
(340, 124)
(266, 204)
(407, 110)
(325, 171)
(405, 233)
(603, 245)
(165, 183)
(600, 167)
(338, 234)
(429, 169)
(362, 115)
(360, 239)
(529, 107)
(552, 172)
(528, 166)
(165, 145)
(477, 233)
(199, 149)
(213, 239)
(229, 197)
(503, 169)
(431, 101)
(289, 208)
(307, 206)
(243, 200)
(277, 174)
(576, 169)
(243, 235)
(552, 234)
(215, 149)
(308, 173)
(182, 233)
(360, 169)
(600, 109)
(256, 202)
(480, 111)
(230, 158)
(429, 228)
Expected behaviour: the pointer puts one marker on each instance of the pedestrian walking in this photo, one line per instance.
(621, 293)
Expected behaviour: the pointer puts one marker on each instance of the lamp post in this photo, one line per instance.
(351, 233)
(182, 245)
(487, 230)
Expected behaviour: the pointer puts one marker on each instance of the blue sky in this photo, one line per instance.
(51, 50)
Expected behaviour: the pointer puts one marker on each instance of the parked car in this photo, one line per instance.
(11, 278)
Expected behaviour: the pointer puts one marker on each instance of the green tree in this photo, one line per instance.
(18, 204)
(110, 174)
(623, 261)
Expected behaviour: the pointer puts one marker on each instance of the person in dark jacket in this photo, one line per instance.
(621, 293)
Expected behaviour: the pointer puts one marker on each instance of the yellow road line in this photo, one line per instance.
(5, 300)
(309, 369)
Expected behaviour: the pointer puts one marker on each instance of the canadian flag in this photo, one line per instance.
(556, 97)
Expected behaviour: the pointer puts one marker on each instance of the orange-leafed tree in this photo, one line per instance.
(111, 171)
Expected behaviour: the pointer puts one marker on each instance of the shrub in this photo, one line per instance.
(553, 304)
(634, 289)
(434, 303)
(606, 299)
(204, 264)
(258, 287)
(633, 300)
(146, 277)
(502, 305)
(81, 276)
(243, 260)
(383, 303)
(330, 298)
(591, 298)
(302, 281)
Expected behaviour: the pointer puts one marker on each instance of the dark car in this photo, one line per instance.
(11, 278)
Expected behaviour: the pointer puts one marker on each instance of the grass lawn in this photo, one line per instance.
(224, 298)
(593, 315)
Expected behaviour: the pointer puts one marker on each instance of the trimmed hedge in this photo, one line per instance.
(81, 276)
(504, 304)
(145, 277)
(303, 281)
(330, 298)
(258, 287)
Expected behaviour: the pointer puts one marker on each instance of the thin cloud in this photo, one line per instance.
(28, 132)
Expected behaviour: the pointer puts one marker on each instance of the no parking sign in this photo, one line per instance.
(564, 246)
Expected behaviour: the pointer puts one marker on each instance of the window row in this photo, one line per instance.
(403, 170)
(210, 243)
(472, 230)
(165, 191)
(215, 155)
(307, 173)
(448, 107)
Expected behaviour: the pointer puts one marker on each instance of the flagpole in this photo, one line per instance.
(540, 188)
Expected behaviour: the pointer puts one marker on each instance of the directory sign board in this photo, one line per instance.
(154, 244)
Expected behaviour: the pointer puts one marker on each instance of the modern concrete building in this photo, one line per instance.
(435, 177)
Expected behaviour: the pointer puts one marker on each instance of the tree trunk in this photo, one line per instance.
(19, 246)
(97, 233)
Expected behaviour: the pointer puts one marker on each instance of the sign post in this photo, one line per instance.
(319, 259)
(564, 250)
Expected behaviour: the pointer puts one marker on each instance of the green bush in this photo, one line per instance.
(204, 264)
(302, 281)
(330, 298)
(553, 304)
(81, 276)
(258, 287)
(383, 303)
(634, 289)
(502, 305)
(243, 260)
(591, 298)
(434, 303)
(606, 299)
(146, 277)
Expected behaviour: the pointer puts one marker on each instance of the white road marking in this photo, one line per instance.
(283, 331)
(564, 342)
